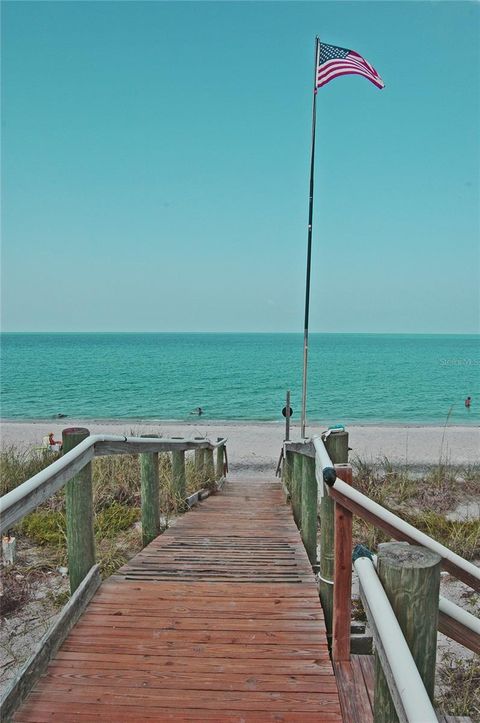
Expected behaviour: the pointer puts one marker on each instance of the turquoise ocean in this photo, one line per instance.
(353, 378)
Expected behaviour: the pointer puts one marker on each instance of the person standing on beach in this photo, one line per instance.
(468, 402)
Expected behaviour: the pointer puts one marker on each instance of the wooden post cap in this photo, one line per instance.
(401, 554)
(73, 436)
(82, 431)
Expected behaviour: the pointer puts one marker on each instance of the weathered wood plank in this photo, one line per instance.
(456, 631)
(354, 698)
(239, 630)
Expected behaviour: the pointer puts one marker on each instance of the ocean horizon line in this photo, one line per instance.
(253, 333)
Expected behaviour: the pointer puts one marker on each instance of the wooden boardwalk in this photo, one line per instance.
(217, 619)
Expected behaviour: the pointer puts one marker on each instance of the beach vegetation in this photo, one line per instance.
(18, 464)
(461, 536)
(15, 591)
(45, 527)
(58, 599)
(115, 518)
(423, 498)
(116, 501)
(459, 689)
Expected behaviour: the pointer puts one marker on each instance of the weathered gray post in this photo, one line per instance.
(199, 465)
(297, 488)
(219, 470)
(287, 473)
(336, 445)
(79, 513)
(309, 508)
(179, 481)
(209, 469)
(150, 495)
(410, 576)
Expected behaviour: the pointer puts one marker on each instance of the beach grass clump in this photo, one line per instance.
(15, 591)
(45, 527)
(116, 478)
(364, 533)
(382, 481)
(460, 536)
(115, 518)
(422, 500)
(112, 553)
(470, 475)
(440, 487)
(459, 690)
(18, 464)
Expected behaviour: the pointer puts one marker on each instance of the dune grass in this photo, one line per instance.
(460, 686)
(423, 500)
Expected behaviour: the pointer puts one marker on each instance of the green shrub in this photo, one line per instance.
(45, 527)
(116, 518)
(460, 681)
(17, 465)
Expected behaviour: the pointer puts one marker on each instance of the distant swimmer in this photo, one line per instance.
(197, 410)
(468, 402)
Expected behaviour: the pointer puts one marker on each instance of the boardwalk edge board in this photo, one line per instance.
(37, 664)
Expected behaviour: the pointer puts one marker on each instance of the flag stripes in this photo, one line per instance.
(334, 61)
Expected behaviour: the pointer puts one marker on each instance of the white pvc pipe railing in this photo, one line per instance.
(390, 518)
(447, 607)
(408, 684)
(461, 616)
(324, 467)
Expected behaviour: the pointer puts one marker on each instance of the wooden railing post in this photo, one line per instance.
(199, 465)
(337, 447)
(309, 508)
(150, 494)
(79, 513)
(219, 470)
(410, 576)
(342, 588)
(287, 473)
(209, 469)
(179, 481)
(297, 488)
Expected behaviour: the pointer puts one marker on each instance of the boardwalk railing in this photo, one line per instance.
(316, 475)
(74, 472)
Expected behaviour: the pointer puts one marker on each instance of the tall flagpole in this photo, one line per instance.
(309, 242)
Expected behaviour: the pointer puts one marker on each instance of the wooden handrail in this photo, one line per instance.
(453, 620)
(387, 521)
(26, 497)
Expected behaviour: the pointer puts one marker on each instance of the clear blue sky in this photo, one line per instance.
(156, 155)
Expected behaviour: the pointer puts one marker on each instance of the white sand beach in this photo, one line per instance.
(255, 447)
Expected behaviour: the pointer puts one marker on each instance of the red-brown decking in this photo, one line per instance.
(217, 619)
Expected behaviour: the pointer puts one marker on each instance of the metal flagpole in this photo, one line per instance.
(309, 243)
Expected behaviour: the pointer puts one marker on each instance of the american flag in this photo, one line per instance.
(333, 61)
